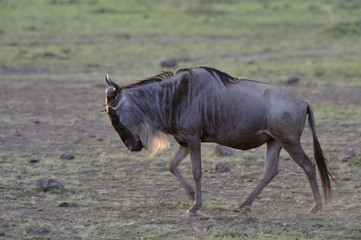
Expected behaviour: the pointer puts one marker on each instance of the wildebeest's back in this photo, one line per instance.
(236, 115)
(204, 105)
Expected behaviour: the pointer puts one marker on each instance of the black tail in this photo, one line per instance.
(321, 161)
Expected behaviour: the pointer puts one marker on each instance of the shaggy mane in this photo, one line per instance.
(225, 78)
(157, 78)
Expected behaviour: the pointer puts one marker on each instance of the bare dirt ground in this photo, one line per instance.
(139, 197)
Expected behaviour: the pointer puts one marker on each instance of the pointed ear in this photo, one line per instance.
(110, 82)
(110, 91)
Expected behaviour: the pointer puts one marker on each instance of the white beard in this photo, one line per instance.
(154, 141)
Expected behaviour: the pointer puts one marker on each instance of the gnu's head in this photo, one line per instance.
(113, 96)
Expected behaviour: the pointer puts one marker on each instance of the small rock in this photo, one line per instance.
(18, 134)
(47, 184)
(293, 80)
(349, 154)
(99, 139)
(63, 204)
(33, 160)
(223, 150)
(347, 179)
(67, 155)
(247, 180)
(222, 167)
(48, 55)
(317, 225)
(169, 63)
(36, 121)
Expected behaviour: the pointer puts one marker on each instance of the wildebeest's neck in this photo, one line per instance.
(149, 106)
(151, 103)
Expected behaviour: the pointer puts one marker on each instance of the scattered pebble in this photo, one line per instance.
(63, 204)
(33, 160)
(293, 80)
(318, 225)
(48, 55)
(18, 134)
(67, 155)
(169, 63)
(223, 150)
(349, 154)
(347, 179)
(48, 184)
(222, 167)
(247, 180)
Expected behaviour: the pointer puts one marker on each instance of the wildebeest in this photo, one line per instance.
(207, 105)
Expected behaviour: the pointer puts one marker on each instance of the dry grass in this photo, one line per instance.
(53, 56)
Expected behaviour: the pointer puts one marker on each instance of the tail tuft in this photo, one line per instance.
(321, 161)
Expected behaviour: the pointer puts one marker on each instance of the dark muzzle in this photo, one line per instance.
(132, 143)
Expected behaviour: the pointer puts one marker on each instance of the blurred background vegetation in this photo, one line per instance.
(267, 40)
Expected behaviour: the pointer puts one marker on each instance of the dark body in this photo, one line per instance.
(207, 105)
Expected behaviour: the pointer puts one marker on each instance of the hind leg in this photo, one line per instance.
(271, 170)
(308, 166)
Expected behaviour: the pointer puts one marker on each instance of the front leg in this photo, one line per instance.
(172, 167)
(194, 146)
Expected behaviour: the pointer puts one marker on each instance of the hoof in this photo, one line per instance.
(309, 213)
(191, 214)
(243, 209)
(314, 210)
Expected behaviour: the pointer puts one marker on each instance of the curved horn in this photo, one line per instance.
(110, 82)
